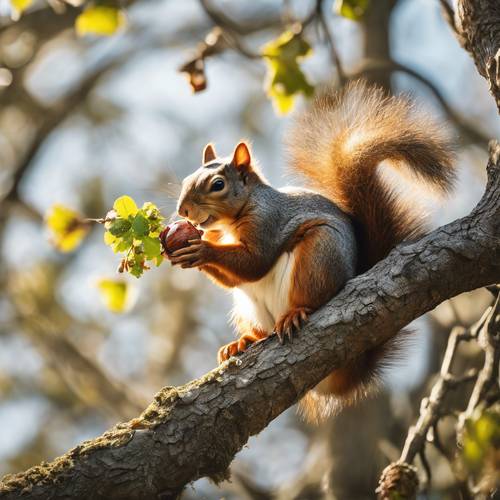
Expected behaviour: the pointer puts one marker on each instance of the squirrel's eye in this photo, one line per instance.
(217, 185)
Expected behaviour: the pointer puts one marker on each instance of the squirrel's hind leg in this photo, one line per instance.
(320, 270)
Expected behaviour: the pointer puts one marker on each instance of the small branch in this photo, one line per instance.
(333, 50)
(469, 130)
(227, 23)
(432, 408)
(489, 340)
(448, 14)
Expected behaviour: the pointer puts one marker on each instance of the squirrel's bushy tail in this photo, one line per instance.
(337, 145)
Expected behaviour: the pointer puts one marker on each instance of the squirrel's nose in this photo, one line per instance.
(183, 211)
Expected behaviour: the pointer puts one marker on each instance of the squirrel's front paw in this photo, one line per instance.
(235, 347)
(291, 322)
(194, 255)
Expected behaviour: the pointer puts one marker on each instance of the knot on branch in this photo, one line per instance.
(398, 480)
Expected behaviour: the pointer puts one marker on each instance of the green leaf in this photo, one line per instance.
(115, 294)
(351, 9)
(152, 247)
(100, 20)
(125, 206)
(123, 245)
(136, 270)
(119, 227)
(140, 225)
(66, 226)
(285, 79)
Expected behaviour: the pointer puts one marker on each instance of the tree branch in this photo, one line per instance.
(195, 430)
(477, 23)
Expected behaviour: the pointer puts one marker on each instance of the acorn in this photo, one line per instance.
(177, 235)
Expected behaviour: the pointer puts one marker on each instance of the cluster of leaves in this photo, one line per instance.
(481, 448)
(67, 227)
(134, 232)
(285, 78)
(131, 231)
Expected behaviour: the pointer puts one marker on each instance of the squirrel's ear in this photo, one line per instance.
(241, 157)
(209, 153)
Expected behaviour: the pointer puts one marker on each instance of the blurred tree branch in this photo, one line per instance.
(437, 405)
(388, 66)
(195, 430)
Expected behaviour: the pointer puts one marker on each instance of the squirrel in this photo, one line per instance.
(286, 252)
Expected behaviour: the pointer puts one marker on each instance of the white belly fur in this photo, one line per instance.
(263, 302)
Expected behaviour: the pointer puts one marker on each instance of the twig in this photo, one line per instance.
(432, 408)
(427, 469)
(225, 22)
(231, 30)
(486, 331)
(333, 50)
(448, 14)
(375, 66)
(490, 342)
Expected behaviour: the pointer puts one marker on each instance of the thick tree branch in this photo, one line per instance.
(477, 24)
(195, 430)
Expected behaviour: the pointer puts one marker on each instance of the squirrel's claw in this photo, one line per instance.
(291, 322)
(235, 347)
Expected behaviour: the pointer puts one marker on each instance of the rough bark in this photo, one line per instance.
(477, 24)
(195, 430)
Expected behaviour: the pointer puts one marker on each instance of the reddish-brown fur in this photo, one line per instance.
(337, 146)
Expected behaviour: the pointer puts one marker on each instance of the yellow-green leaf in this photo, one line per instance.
(481, 440)
(20, 5)
(487, 427)
(351, 9)
(100, 20)
(115, 294)
(67, 228)
(288, 45)
(125, 206)
(285, 79)
(109, 239)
